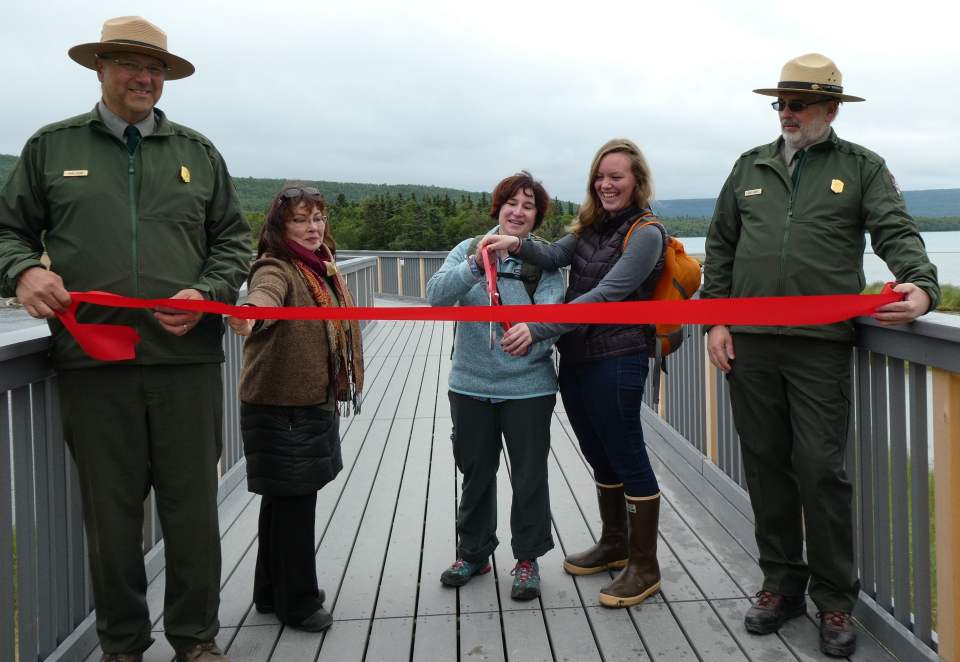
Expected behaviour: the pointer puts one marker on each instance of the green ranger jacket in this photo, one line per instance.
(146, 225)
(777, 235)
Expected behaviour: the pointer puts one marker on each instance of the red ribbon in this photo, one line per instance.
(116, 343)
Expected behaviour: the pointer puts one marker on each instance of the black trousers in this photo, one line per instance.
(478, 428)
(791, 406)
(286, 574)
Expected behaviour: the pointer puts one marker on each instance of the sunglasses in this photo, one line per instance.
(795, 106)
(298, 192)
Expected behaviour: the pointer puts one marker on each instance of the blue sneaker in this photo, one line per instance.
(526, 580)
(462, 571)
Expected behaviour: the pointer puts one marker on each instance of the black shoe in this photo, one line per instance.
(267, 607)
(837, 636)
(773, 610)
(318, 621)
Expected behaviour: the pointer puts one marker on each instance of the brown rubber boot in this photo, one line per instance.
(611, 550)
(641, 578)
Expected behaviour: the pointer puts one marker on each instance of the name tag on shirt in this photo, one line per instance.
(75, 173)
(752, 191)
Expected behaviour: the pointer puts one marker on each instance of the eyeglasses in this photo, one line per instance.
(795, 106)
(134, 68)
(303, 222)
(298, 192)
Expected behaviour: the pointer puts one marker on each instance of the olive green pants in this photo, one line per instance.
(130, 428)
(791, 406)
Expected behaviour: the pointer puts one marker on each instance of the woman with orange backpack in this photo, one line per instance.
(603, 368)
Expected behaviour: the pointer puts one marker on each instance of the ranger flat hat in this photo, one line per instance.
(812, 73)
(131, 34)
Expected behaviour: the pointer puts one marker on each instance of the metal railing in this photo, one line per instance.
(46, 602)
(907, 391)
(905, 379)
(402, 273)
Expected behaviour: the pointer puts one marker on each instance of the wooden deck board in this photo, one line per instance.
(481, 638)
(435, 638)
(439, 533)
(401, 572)
(526, 636)
(385, 530)
(390, 639)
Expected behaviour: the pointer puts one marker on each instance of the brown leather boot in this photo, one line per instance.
(611, 550)
(641, 578)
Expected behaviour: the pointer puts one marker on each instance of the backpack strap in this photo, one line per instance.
(640, 223)
(530, 273)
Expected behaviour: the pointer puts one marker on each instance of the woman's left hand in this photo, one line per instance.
(516, 340)
(240, 326)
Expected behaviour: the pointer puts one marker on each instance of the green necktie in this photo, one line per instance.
(132, 135)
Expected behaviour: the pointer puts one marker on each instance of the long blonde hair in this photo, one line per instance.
(591, 211)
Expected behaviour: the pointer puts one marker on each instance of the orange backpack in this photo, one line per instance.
(679, 280)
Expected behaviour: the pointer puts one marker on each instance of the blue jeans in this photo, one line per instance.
(603, 400)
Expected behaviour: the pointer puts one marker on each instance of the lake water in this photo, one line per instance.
(942, 247)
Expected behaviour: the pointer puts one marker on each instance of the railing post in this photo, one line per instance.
(662, 408)
(946, 439)
(423, 280)
(710, 404)
(379, 274)
(399, 276)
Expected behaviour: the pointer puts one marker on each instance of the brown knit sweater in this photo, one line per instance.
(285, 362)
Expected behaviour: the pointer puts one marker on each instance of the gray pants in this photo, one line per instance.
(791, 405)
(132, 428)
(478, 427)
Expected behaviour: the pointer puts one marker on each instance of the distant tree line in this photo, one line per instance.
(413, 222)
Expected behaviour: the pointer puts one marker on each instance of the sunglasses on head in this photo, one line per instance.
(795, 106)
(299, 192)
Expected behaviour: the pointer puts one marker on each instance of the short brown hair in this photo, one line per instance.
(273, 234)
(524, 181)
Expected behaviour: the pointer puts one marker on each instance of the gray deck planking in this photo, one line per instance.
(526, 636)
(435, 638)
(386, 530)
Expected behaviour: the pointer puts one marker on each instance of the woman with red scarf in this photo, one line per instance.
(298, 377)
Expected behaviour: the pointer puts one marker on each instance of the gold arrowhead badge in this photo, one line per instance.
(185, 175)
(836, 186)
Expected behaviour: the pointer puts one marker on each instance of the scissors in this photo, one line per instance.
(489, 268)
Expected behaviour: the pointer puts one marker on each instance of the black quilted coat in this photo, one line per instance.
(290, 450)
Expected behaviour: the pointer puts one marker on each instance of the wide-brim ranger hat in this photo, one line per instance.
(131, 34)
(811, 73)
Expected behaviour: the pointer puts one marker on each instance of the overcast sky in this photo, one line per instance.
(462, 94)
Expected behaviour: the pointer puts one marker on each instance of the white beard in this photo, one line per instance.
(810, 133)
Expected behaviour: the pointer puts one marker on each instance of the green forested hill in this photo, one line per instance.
(255, 193)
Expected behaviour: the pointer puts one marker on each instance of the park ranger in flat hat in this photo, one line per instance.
(126, 201)
(790, 220)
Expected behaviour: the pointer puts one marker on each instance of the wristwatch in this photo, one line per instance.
(474, 267)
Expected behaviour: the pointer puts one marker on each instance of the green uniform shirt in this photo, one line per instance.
(777, 235)
(147, 225)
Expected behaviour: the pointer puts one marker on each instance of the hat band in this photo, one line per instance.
(813, 87)
(131, 42)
